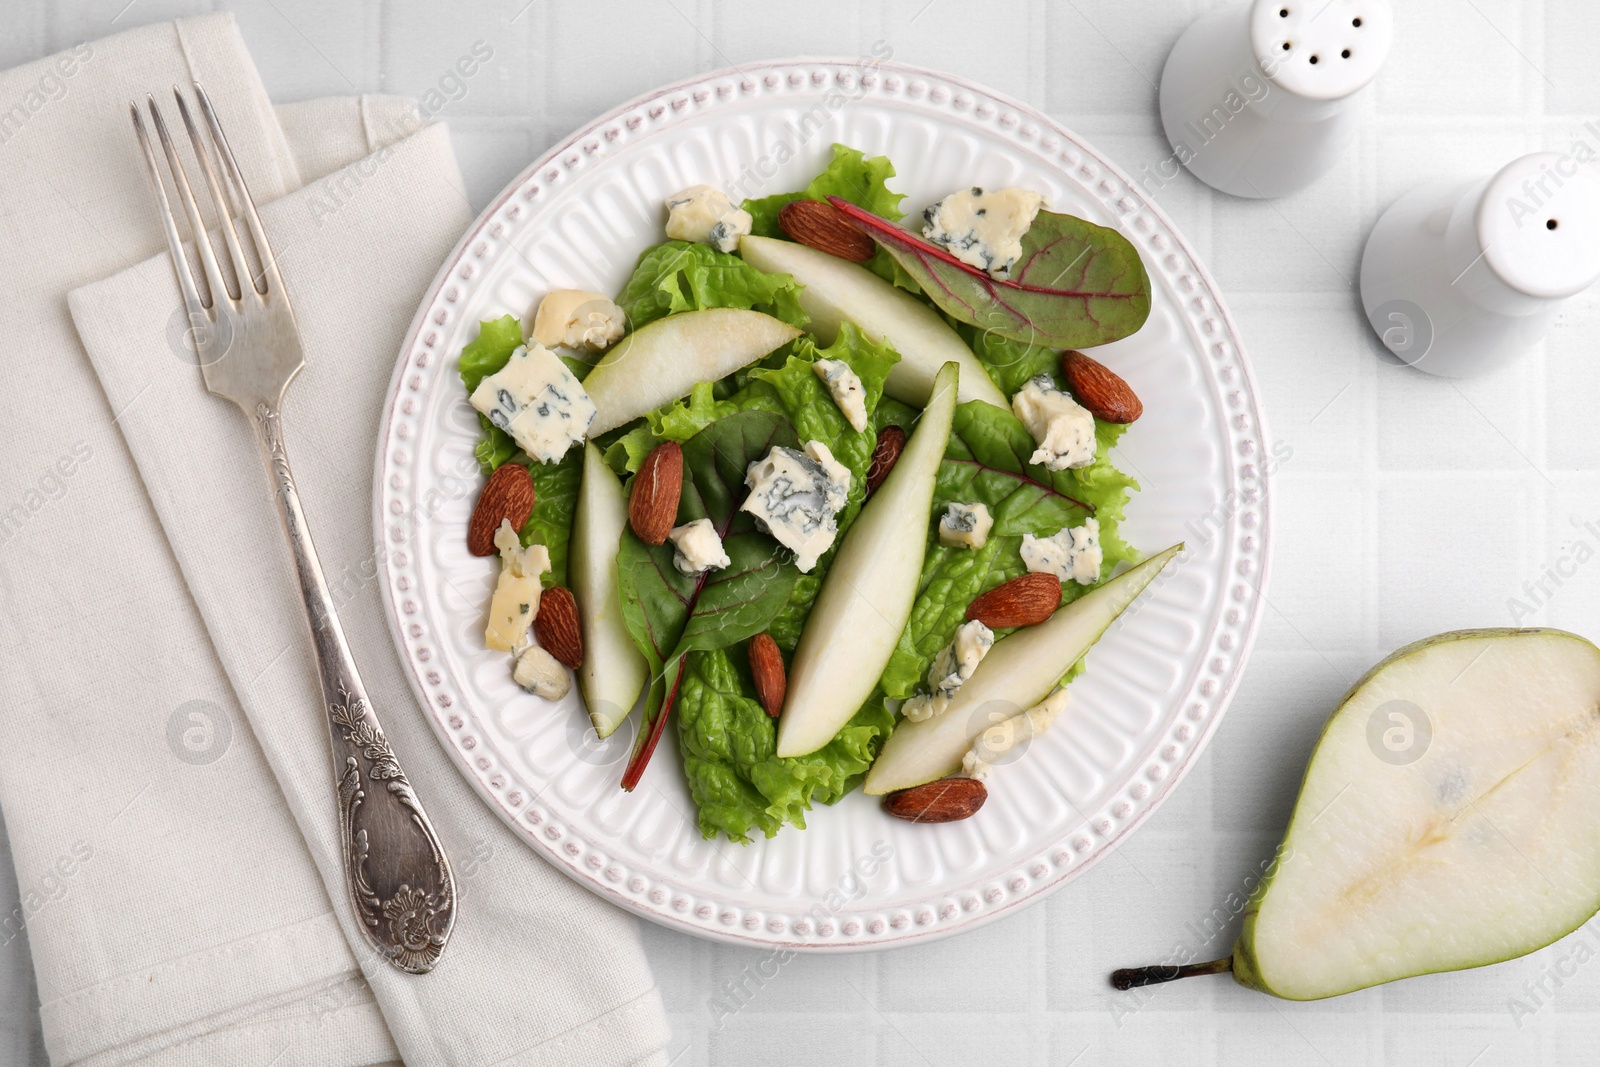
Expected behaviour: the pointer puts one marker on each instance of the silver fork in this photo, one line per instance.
(398, 877)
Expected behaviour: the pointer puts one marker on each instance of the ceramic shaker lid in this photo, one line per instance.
(1539, 225)
(1321, 49)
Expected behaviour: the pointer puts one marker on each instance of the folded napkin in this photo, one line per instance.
(164, 773)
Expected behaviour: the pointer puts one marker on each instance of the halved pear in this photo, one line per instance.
(1449, 818)
(1017, 673)
(836, 289)
(613, 673)
(662, 361)
(867, 595)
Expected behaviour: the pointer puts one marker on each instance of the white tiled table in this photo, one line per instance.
(1409, 505)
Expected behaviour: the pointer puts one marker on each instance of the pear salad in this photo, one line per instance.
(832, 498)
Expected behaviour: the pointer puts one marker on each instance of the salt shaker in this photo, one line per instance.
(1460, 278)
(1262, 100)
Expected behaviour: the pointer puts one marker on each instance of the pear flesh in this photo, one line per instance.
(1016, 674)
(613, 672)
(867, 596)
(1409, 854)
(661, 362)
(836, 290)
(1450, 818)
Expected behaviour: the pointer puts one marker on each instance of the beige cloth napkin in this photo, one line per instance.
(164, 771)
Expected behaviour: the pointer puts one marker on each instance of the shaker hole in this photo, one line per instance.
(1551, 224)
(1356, 23)
(1313, 59)
(1284, 13)
(1345, 54)
(1286, 46)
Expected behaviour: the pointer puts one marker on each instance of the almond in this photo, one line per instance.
(945, 800)
(1100, 389)
(653, 500)
(556, 626)
(891, 442)
(1026, 600)
(507, 495)
(819, 225)
(766, 667)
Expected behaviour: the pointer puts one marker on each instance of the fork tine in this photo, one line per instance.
(230, 236)
(180, 262)
(269, 263)
(197, 224)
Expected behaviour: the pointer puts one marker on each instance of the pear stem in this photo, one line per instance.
(1131, 977)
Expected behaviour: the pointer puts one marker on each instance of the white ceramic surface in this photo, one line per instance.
(1462, 278)
(1157, 684)
(1261, 100)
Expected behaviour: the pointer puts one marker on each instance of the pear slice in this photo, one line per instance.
(836, 289)
(613, 672)
(1018, 673)
(662, 361)
(1450, 818)
(867, 595)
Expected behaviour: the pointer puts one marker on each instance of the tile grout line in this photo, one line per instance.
(1372, 606)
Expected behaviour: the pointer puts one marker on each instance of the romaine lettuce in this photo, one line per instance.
(727, 741)
(681, 276)
(555, 485)
(851, 176)
(729, 751)
(986, 462)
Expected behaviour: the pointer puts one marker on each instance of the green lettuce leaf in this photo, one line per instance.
(891, 412)
(555, 502)
(987, 462)
(729, 746)
(1011, 363)
(679, 276)
(851, 176)
(796, 387)
(490, 351)
(726, 739)
(487, 354)
(677, 421)
(794, 391)
(669, 614)
(495, 448)
(555, 485)
(683, 276)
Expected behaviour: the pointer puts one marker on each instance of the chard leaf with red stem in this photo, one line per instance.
(1075, 285)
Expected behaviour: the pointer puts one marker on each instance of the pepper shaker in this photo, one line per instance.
(1260, 101)
(1460, 278)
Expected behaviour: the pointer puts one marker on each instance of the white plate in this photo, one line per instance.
(1156, 686)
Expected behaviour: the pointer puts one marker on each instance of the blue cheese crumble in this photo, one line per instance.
(965, 525)
(1061, 427)
(705, 214)
(923, 706)
(983, 229)
(697, 548)
(844, 385)
(956, 661)
(1006, 735)
(541, 674)
(952, 666)
(536, 400)
(1071, 554)
(796, 497)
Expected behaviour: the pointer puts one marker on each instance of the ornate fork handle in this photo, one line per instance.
(398, 876)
